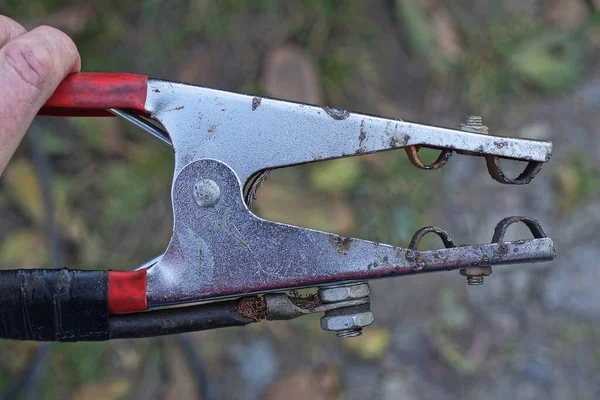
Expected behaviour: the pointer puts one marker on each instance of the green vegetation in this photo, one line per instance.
(111, 183)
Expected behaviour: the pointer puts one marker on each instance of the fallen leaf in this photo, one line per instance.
(413, 17)
(71, 20)
(197, 66)
(577, 181)
(112, 390)
(551, 61)
(17, 355)
(103, 134)
(288, 203)
(335, 175)
(568, 15)
(24, 188)
(292, 75)
(301, 385)
(373, 344)
(446, 34)
(24, 249)
(55, 145)
(452, 354)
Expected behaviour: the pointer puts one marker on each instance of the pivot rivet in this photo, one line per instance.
(207, 193)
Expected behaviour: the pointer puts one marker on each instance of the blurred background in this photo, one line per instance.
(529, 67)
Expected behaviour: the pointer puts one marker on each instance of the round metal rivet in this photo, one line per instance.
(206, 193)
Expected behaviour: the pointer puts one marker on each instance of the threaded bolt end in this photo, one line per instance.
(475, 280)
(474, 120)
(349, 333)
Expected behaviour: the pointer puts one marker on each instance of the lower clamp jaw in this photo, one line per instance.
(220, 249)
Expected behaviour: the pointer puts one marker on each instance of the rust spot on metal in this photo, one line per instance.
(156, 91)
(254, 308)
(530, 171)
(212, 128)
(372, 265)
(256, 103)
(361, 139)
(501, 252)
(308, 302)
(500, 144)
(362, 136)
(413, 155)
(398, 252)
(340, 243)
(176, 108)
(336, 113)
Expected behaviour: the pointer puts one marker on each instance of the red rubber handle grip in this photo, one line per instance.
(89, 94)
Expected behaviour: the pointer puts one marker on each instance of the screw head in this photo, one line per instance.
(206, 193)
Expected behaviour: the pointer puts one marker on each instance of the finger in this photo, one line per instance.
(31, 67)
(9, 30)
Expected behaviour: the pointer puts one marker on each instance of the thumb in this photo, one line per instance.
(31, 67)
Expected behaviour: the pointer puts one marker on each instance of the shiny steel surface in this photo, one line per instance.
(251, 133)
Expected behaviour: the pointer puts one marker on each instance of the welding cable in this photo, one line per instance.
(169, 321)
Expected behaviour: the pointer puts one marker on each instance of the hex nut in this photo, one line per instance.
(349, 321)
(334, 294)
(476, 271)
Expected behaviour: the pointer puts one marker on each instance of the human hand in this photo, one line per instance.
(32, 64)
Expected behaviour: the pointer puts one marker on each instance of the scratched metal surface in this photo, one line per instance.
(223, 250)
(251, 134)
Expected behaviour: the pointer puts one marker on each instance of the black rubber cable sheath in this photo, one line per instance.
(177, 320)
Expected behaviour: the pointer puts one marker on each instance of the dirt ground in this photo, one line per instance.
(530, 68)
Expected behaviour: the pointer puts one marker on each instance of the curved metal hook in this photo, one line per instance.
(533, 225)
(413, 155)
(416, 239)
(530, 171)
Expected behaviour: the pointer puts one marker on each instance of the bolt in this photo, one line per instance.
(207, 193)
(475, 275)
(349, 333)
(346, 321)
(474, 120)
(350, 291)
(474, 280)
(474, 123)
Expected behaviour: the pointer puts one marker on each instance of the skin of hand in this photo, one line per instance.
(32, 64)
